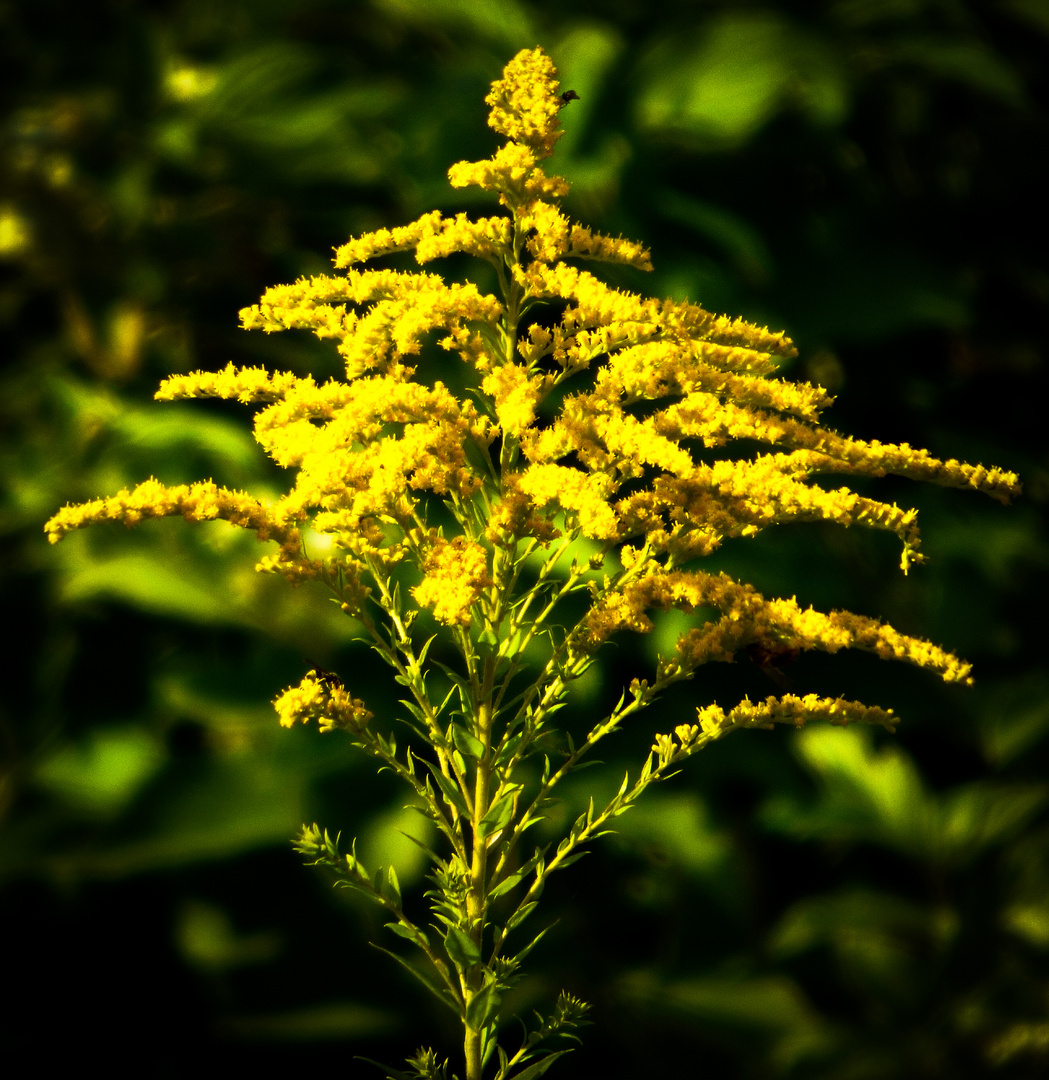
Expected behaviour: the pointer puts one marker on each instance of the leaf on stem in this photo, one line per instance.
(390, 886)
(520, 915)
(505, 885)
(452, 795)
(409, 933)
(438, 991)
(499, 813)
(483, 1008)
(538, 1068)
(468, 745)
(461, 948)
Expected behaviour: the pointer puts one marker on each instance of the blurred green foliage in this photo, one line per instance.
(867, 174)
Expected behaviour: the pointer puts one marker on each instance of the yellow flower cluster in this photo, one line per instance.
(788, 709)
(525, 102)
(204, 501)
(383, 455)
(456, 574)
(325, 699)
(432, 236)
(748, 618)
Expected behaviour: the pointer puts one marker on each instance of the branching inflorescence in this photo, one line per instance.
(491, 509)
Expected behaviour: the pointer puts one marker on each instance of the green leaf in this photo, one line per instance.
(417, 712)
(439, 711)
(355, 867)
(540, 1067)
(414, 839)
(521, 954)
(499, 813)
(482, 1009)
(468, 745)
(421, 659)
(505, 885)
(461, 684)
(520, 915)
(432, 985)
(461, 948)
(391, 886)
(453, 796)
(391, 1073)
(568, 860)
(408, 933)
(508, 749)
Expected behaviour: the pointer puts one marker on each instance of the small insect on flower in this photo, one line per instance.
(328, 678)
(567, 96)
(770, 658)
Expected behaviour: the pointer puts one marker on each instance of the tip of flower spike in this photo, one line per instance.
(911, 556)
(525, 102)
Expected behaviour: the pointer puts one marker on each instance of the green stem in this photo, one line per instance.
(476, 897)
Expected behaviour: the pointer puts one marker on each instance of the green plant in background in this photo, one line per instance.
(490, 529)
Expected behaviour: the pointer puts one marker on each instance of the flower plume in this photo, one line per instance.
(595, 427)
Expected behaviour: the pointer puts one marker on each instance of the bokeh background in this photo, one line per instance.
(869, 175)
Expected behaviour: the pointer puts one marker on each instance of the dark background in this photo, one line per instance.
(869, 175)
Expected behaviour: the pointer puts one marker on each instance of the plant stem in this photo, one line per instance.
(475, 900)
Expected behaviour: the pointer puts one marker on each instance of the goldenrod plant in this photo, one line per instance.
(574, 482)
